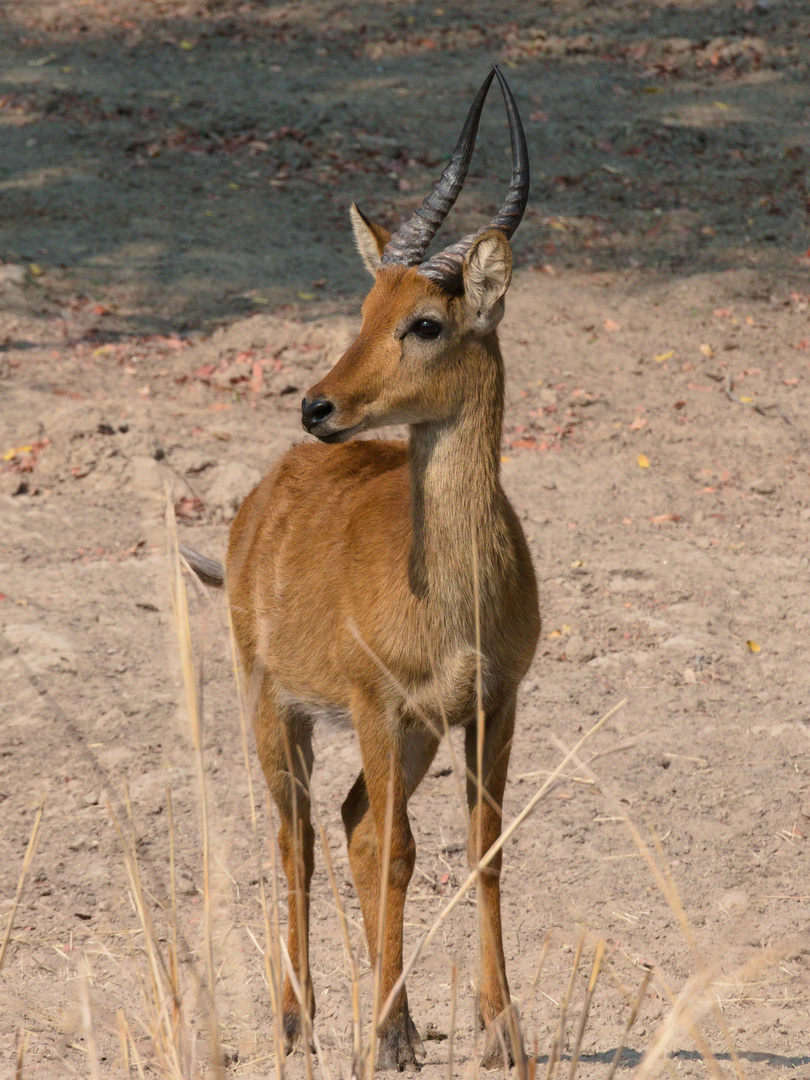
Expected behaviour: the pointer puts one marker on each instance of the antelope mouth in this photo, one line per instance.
(339, 436)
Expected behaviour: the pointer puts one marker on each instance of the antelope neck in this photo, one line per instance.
(456, 490)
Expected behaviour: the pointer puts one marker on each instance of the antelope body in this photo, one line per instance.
(354, 571)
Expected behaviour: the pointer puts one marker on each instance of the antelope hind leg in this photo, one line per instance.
(283, 738)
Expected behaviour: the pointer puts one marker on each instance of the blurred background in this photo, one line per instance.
(184, 162)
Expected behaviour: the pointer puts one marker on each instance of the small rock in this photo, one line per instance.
(13, 484)
(689, 676)
(763, 487)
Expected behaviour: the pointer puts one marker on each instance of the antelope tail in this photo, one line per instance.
(208, 570)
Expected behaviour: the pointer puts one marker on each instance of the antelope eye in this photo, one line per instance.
(426, 328)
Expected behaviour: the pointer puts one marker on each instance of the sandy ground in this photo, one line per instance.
(177, 269)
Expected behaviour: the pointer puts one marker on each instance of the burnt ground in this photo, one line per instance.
(177, 268)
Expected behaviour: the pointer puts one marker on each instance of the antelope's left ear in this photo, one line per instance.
(487, 272)
(370, 239)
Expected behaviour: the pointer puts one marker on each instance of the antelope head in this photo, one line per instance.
(422, 319)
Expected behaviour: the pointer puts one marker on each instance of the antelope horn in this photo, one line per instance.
(410, 242)
(445, 266)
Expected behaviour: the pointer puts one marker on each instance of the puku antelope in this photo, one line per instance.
(354, 568)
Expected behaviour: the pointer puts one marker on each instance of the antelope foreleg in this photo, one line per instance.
(394, 766)
(494, 1003)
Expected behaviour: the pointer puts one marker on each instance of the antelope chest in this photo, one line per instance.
(451, 691)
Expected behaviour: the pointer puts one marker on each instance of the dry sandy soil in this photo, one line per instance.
(177, 268)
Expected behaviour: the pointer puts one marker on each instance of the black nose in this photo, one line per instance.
(315, 412)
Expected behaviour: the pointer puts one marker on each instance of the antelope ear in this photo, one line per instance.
(370, 239)
(487, 272)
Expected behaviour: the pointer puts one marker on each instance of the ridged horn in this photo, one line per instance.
(445, 266)
(410, 242)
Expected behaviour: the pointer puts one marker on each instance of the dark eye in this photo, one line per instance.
(426, 328)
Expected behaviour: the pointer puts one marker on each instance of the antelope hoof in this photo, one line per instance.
(498, 1048)
(292, 1029)
(400, 1045)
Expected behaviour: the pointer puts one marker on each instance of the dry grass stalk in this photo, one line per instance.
(684, 1008)
(301, 995)
(556, 1045)
(28, 858)
(127, 1044)
(666, 883)
(586, 1008)
(194, 699)
(167, 1031)
(174, 967)
(690, 1027)
(452, 1032)
(631, 1019)
(505, 836)
(678, 908)
(539, 972)
(22, 1046)
(87, 1016)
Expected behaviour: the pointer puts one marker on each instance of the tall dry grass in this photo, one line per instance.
(179, 993)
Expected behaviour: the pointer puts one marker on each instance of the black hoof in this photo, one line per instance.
(499, 1049)
(399, 1045)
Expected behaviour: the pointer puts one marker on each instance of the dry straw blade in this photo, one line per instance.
(194, 700)
(631, 1019)
(22, 1047)
(685, 1007)
(87, 1016)
(586, 1008)
(28, 858)
(556, 1046)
